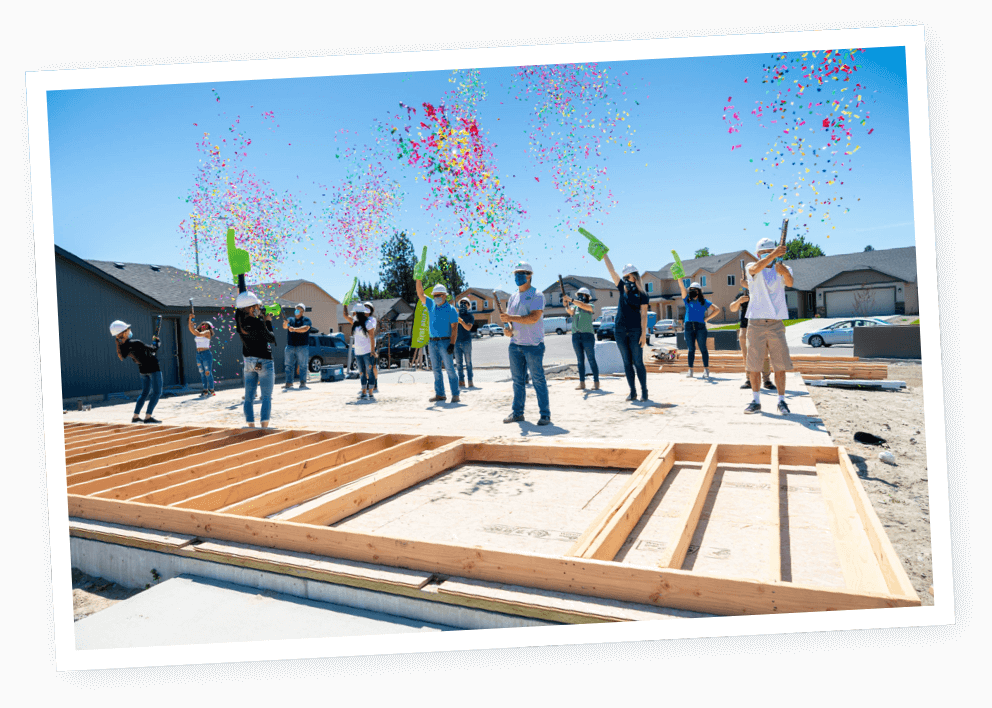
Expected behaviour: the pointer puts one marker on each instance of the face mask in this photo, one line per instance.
(298, 313)
(463, 308)
(629, 285)
(439, 301)
(520, 279)
(583, 298)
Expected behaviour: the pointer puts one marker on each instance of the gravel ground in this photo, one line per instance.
(90, 595)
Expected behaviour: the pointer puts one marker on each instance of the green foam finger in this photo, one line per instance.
(420, 270)
(351, 293)
(597, 249)
(677, 270)
(238, 257)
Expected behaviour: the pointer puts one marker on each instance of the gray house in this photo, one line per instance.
(92, 294)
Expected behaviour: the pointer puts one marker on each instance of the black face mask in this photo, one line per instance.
(583, 298)
(629, 285)
(693, 294)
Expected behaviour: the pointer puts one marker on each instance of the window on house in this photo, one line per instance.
(742, 264)
(810, 302)
(686, 281)
(485, 304)
(702, 281)
(649, 287)
(474, 305)
(731, 281)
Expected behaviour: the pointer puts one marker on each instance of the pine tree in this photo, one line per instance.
(703, 252)
(396, 269)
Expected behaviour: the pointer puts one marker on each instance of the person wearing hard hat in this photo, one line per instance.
(631, 325)
(296, 355)
(767, 281)
(740, 307)
(524, 311)
(698, 312)
(203, 334)
(443, 333)
(373, 323)
(463, 343)
(363, 331)
(257, 339)
(144, 355)
(583, 339)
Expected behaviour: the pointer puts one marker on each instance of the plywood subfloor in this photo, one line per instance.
(539, 509)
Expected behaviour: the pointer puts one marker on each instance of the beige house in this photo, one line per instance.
(720, 276)
(482, 304)
(604, 294)
(322, 309)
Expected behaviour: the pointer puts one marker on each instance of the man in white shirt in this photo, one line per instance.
(767, 281)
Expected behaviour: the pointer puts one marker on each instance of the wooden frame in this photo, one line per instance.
(282, 490)
(810, 366)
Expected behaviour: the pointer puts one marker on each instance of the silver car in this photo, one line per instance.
(664, 328)
(841, 332)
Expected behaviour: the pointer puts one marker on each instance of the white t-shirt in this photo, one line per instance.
(363, 345)
(767, 295)
(202, 342)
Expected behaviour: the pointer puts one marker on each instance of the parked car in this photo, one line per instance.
(841, 332)
(327, 349)
(491, 330)
(605, 328)
(391, 350)
(664, 328)
(558, 325)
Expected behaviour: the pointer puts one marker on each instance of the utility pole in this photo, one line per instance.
(196, 246)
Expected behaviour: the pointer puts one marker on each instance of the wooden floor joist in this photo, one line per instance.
(819, 366)
(305, 481)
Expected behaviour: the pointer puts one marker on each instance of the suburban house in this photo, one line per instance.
(391, 314)
(482, 304)
(604, 294)
(92, 294)
(862, 284)
(719, 276)
(322, 309)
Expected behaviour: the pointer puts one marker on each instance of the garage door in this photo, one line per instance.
(865, 303)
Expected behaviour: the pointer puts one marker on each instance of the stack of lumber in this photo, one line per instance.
(811, 367)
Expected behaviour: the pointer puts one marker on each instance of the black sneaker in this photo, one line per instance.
(513, 419)
(544, 421)
(644, 395)
(769, 385)
(746, 384)
(631, 397)
(782, 408)
(753, 408)
(151, 420)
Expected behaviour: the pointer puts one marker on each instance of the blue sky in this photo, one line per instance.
(123, 159)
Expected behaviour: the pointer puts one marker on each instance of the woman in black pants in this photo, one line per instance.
(698, 311)
(630, 328)
(145, 357)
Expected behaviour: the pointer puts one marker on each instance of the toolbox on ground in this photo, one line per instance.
(332, 373)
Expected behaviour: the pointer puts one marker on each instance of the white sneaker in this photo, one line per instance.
(706, 373)
(689, 375)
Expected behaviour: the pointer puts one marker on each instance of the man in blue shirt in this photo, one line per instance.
(297, 352)
(443, 330)
(463, 344)
(525, 312)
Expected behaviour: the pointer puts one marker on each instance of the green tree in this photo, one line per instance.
(396, 270)
(447, 272)
(798, 248)
(703, 252)
(367, 291)
(869, 248)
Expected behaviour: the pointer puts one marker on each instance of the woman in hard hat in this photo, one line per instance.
(373, 324)
(631, 325)
(203, 334)
(257, 339)
(583, 339)
(363, 330)
(144, 356)
(698, 312)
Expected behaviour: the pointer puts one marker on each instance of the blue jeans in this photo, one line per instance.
(150, 384)
(293, 357)
(463, 354)
(695, 333)
(584, 344)
(629, 344)
(205, 365)
(365, 367)
(265, 378)
(439, 354)
(522, 359)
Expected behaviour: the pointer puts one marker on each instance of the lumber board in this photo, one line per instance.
(105, 436)
(775, 519)
(285, 486)
(857, 561)
(371, 489)
(127, 535)
(267, 458)
(618, 527)
(120, 440)
(562, 455)
(593, 529)
(78, 463)
(673, 555)
(896, 580)
(85, 429)
(660, 587)
(142, 467)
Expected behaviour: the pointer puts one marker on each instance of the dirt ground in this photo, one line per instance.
(90, 595)
(899, 493)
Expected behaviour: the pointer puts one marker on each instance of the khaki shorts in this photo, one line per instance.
(767, 337)
(766, 368)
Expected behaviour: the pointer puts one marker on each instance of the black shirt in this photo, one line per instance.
(142, 353)
(743, 308)
(299, 339)
(629, 308)
(465, 335)
(256, 335)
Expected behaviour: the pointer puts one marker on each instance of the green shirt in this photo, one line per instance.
(581, 320)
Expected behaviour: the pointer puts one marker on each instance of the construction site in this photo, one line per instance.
(417, 517)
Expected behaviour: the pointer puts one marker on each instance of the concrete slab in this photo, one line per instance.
(192, 610)
(681, 409)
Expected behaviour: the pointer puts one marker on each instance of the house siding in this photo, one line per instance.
(324, 308)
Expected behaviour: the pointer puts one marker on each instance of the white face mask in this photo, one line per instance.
(439, 301)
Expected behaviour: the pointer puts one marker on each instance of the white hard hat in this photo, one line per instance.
(765, 244)
(465, 299)
(301, 306)
(628, 269)
(696, 285)
(523, 267)
(118, 326)
(583, 291)
(359, 307)
(209, 324)
(439, 290)
(246, 299)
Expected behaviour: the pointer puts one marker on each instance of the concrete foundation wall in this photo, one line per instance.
(897, 342)
(723, 340)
